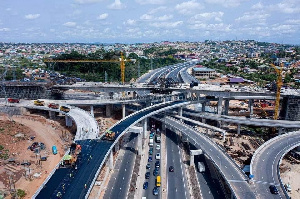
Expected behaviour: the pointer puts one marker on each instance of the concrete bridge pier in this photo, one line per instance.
(203, 106)
(193, 153)
(238, 129)
(108, 110)
(68, 121)
(111, 160)
(51, 114)
(220, 105)
(203, 120)
(250, 107)
(145, 124)
(180, 112)
(92, 111)
(226, 107)
(280, 131)
(123, 111)
(140, 144)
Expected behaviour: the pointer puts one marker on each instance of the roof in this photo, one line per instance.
(236, 80)
(203, 69)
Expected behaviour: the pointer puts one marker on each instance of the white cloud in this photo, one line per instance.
(8, 9)
(208, 15)
(143, 2)
(130, 22)
(117, 5)
(188, 7)
(253, 16)
(287, 6)
(70, 24)
(32, 16)
(293, 21)
(165, 17)
(87, 1)
(220, 27)
(159, 9)
(226, 3)
(167, 24)
(146, 17)
(52, 30)
(102, 16)
(257, 6)
(283, 28)
(4, 29)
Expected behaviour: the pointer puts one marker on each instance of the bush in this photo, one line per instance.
(21, 193)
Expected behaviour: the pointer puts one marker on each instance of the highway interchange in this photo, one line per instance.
(237, 181)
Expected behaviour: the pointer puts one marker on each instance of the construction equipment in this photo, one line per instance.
(121, 60)
(109, 135)
(13, 100)
(278, 84)
(38, 103)
(53, 105)
(64, 109)
(71, 158)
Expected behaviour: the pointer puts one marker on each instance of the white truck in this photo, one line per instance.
(201, 167)
(151, 142)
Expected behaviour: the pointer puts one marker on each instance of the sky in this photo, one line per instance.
(143, 21)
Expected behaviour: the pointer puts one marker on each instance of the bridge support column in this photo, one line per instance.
(51, 114)
(140, 144)
(224, 136)
(123, 111)
(92, 111)
(203, 106)
(220, 105)
(203, 120)
(68, 121)
(250, 107)
(280, 131)
(145, 128)
(111, 95)
(226, 106)
(192, 154)
(238, 129)
(111, 160)
(117, 146)
(108, 110)
(180, 112)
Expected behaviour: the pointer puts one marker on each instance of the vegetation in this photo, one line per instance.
(21, 193)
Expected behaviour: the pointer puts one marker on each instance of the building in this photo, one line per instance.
(203, 73)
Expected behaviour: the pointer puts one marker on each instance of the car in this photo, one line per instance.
(148, 166)
(145, 185)
(171, 169)
(53, 105)
(13, 100)
(157, 147)
(151, 151)
(147, 175)
(150, 159)
(288, 187)
(156, 172)
(33, 146)
(157, 156)
(155, 191)
(273, 189)
(157, 164)
(43, 158)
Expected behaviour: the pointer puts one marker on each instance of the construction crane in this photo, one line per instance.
(121, 61)
(278, 85)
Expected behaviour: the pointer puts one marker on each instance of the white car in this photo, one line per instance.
(157, 147)
(157, 156)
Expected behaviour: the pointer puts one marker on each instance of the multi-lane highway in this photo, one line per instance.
(177, 185)
(120, 180)
(265, 164)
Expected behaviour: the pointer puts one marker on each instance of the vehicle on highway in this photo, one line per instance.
(148, 166)
(38, 103)
(151, 151)
(158, 181)
(157, 164)
(157, 147)
(157, 156)
(155, 191)
(64, 109)
(150, 159)
(151, 142)
(171, 169)
(53, 105)
(147, 175)
(157, 139)
(145, 185)
(273, 189)
(156, 172)
(54, 150)
(13, 100)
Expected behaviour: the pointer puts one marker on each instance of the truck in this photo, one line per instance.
(38, 103)
(201, 167)
(13, 100)
(64, 109)
(151, 142)
(109, 135)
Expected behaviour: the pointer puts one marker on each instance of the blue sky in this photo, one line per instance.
(131, 21)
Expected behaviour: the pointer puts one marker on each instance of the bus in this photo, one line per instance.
(158, 182)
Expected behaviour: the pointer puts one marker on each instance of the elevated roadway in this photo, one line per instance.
(265, 163)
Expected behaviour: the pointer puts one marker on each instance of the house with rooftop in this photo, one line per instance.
(203, 73)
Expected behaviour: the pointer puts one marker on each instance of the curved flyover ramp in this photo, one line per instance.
(77, 182)
(265, 164)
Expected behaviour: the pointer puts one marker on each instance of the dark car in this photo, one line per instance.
(273, 189)
(156, 172)
(171, 169)
(145, 185)
(155, 191)
(151, 151)
(147, 175)
(150, 159)
(157, 164)
(148, 166)
(33, 146)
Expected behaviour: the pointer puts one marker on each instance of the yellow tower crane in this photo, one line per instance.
(121, 60)
(279, 85)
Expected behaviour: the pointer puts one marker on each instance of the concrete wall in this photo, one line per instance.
(290, 109)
